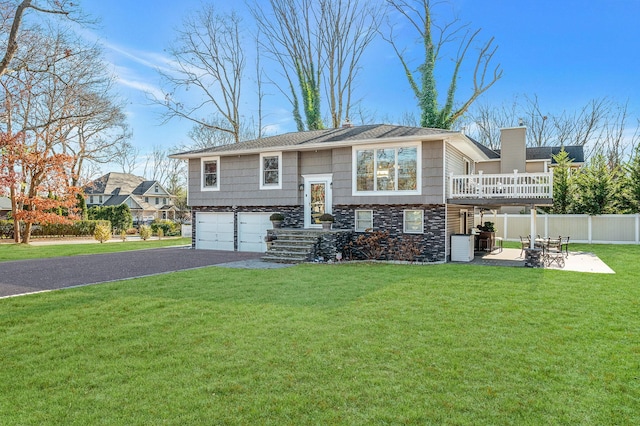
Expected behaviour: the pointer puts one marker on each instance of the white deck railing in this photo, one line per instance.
(516, 185)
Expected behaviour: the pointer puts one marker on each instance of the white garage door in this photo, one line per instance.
(252, 228)
(214, 231)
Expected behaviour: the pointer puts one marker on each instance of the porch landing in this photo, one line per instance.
(578, 261)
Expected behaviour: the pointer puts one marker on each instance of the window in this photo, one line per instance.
(389, 170)
(91, 199)
(364, 220)
(413, 221)
(157, 188)
(164, 201)
(271, 170)
(157, 200)
(146, 199)
(210, 174)
(100, 199)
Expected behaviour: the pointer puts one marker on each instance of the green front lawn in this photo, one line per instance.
(330, 344)
(9, 251)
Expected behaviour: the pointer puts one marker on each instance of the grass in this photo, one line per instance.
(330, 344)
(9, 251)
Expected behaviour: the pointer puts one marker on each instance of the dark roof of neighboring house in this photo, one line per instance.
(144, 187)
(115, 200)
(576, 153)
(343, 134)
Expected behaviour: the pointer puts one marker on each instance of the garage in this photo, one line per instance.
(214, 231)
(252, 228)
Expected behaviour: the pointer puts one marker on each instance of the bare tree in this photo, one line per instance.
(209, 57)
(484, 122)
(317, 43)
(601, 126)
(126, 155)
(209, 136)
(419, 15)
(13, 12)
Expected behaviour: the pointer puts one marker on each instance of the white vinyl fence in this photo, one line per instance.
(581, 228)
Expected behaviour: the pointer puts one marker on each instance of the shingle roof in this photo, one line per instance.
(485, 149)
(343, 134)
(5, 203)
(576, 153)
(144, 187)
(114, 183)
(115, 200)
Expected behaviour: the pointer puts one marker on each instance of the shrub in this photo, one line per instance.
(276, 216)
(102, 233)
(326, 217)
(119, 216)
(6, 229)
(123, 235)
(145, 232)
(169, 228)
(160, 233)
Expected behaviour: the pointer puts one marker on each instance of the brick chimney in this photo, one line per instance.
(513, 150)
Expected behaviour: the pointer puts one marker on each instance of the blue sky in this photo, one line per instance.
(566, 52)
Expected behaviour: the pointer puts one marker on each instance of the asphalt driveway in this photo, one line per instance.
(29, 276)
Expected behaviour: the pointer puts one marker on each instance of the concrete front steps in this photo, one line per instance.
(292, 245)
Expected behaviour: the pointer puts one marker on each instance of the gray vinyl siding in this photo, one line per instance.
(240, 183)
(240, 180)
(454, 161)
(315, 162)
(431, 179)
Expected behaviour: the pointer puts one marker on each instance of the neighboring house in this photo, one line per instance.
(147, 199)
(5, 207)
(419, 184)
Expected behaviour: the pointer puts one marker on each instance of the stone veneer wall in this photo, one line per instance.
(293, 216)
(385, 218)
(432, 242)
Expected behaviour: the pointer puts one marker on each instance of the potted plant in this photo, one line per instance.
(276, 219)
(326, 220)
(269, 239)
(486, 239)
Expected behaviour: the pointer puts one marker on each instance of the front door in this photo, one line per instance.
(317, 198)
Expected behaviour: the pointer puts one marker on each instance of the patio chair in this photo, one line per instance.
(564, 245)
(553, 252)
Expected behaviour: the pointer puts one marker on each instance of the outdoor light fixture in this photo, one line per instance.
(301, 187)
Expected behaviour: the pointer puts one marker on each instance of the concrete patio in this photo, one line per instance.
(578, 261)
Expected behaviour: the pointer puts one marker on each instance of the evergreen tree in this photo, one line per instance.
(596, 188)
(562, 191)
(633, 181)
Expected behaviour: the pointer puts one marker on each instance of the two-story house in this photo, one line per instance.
(417, 183)
(147, 199)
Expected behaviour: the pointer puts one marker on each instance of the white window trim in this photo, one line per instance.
(354, 169)
(271, 154)
(404, 221)
(355, 219)
(209, 188)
